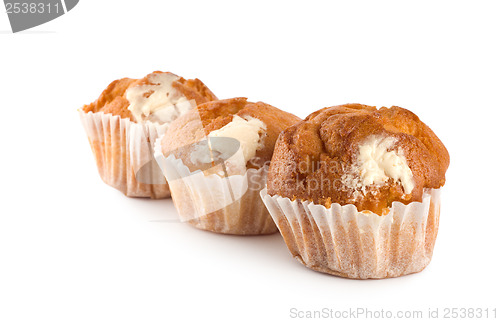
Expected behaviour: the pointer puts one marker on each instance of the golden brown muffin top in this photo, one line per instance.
(185, 132)
(113, 99)
(356, 154)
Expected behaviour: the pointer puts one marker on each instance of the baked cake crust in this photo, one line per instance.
(185, 131)
(313, 158)
(113, 101)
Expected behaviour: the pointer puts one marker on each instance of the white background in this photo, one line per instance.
(74, 249)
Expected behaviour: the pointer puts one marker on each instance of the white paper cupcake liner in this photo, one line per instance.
(342, 241)
(228, 205)
(123, 153)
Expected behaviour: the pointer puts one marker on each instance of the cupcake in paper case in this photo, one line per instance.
(125, 121)
(215, 159)
(355, 191)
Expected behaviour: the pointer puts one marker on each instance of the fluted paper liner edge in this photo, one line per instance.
(342, 241)
(227, 205)
(121, 149)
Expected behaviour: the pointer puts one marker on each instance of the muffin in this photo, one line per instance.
(215, 159)
(127, 118)
(354, 190)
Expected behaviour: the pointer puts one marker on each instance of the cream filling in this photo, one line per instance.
(159, 101)
(377, 164)
(246, 131)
